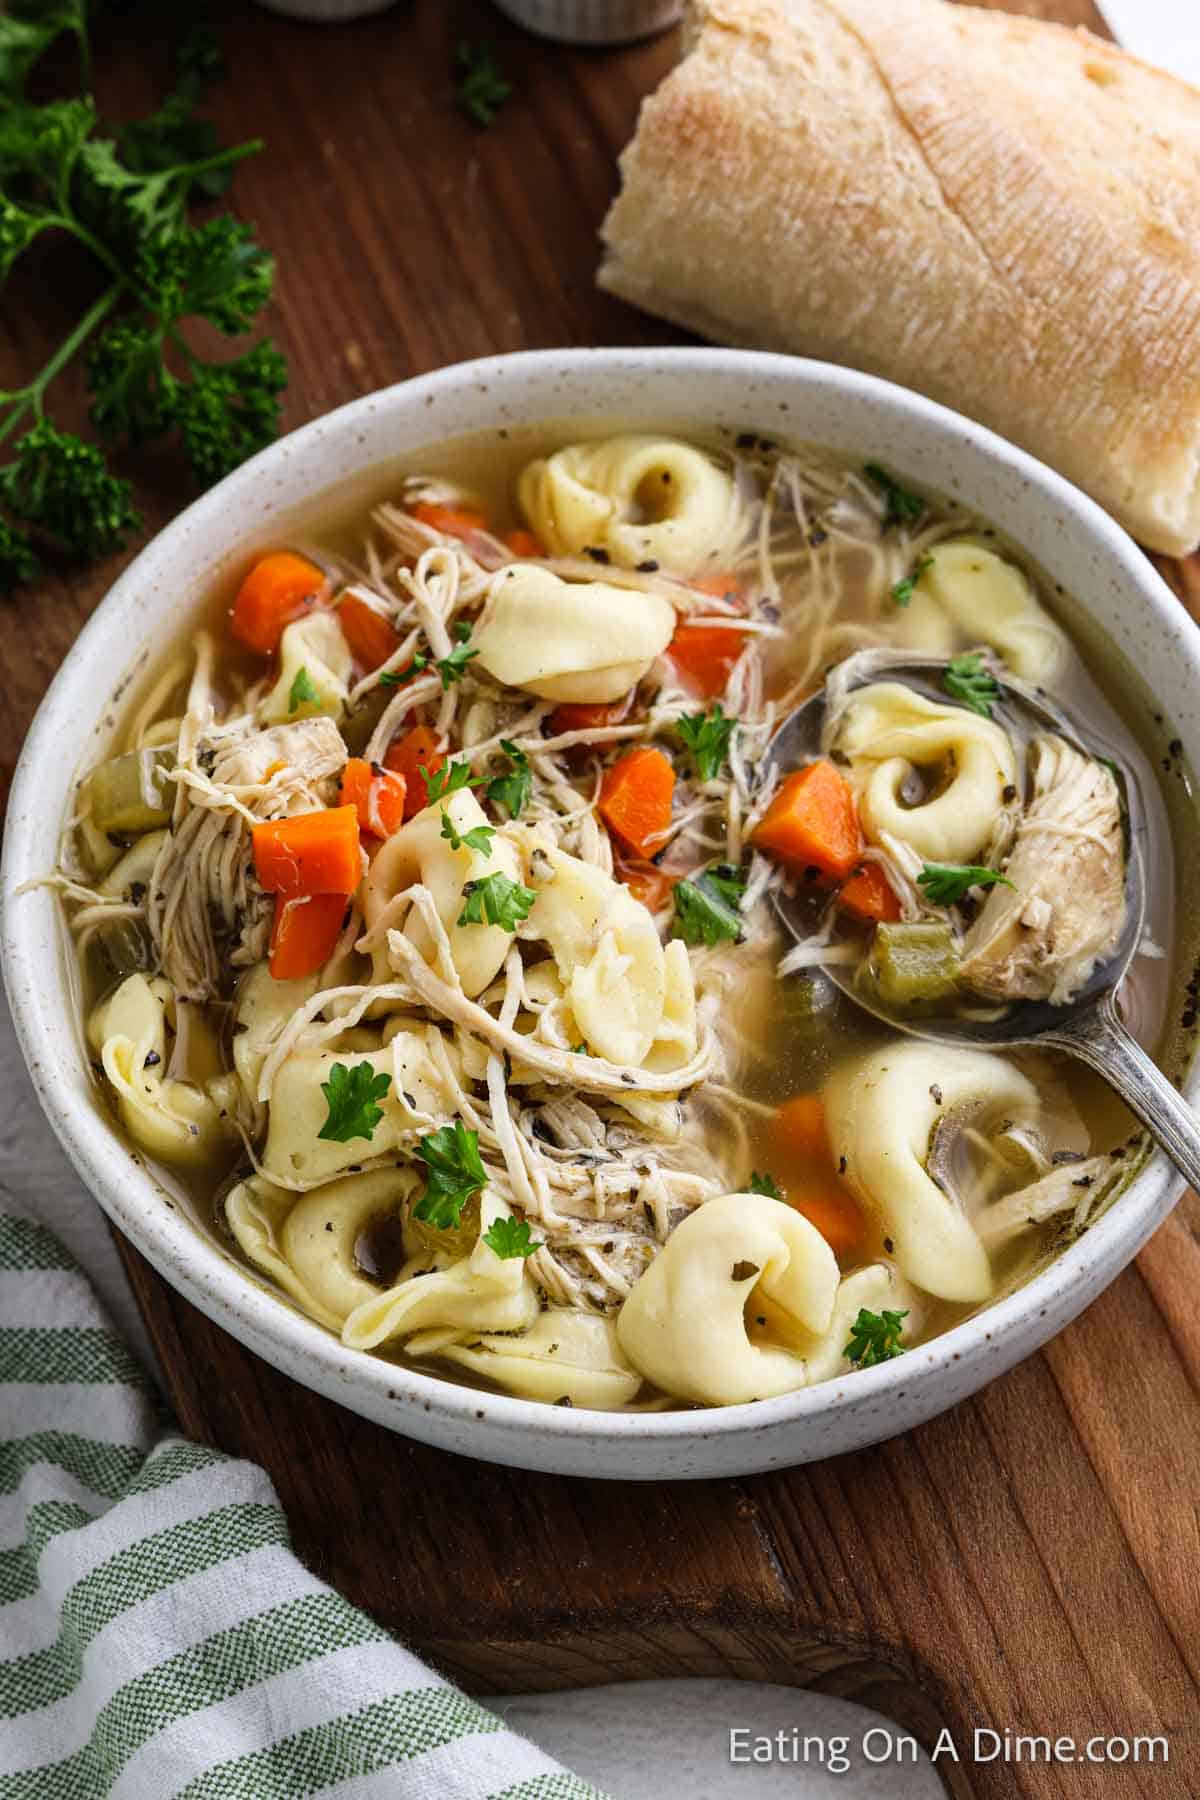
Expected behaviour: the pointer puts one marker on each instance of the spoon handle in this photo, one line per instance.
(1098, 1039)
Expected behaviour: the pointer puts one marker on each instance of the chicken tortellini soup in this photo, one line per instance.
(426, 912)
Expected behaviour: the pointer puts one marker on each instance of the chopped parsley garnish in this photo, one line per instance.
(510, 1237)
(903, 507)
(397, 677)
(496, 900)
(904, 590)
(452, 668)
(765, 1184)
(449, 779)
(707, 736)
(967, 680)
(351, 1094)
(875, 1337)
(944, 884)
(706, 909)
(478, 838)
(512, 791)
(301, 691)
(482, 85)
(454, 1172)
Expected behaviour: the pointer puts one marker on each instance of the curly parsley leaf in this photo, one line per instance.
(62, 486)
(454, 1172)
(27, 32)
(706, 909)
(512, 790)
(18, 559)
(482, 85)
(707, 736)
(904, 590)
(449, 779)
(944, 884)
(302, 691)
(967, 680)
(452, 668)
(902, 507)
(350, 1095)
(875, 1337)
(511, 1237)
(496, 900)
(478, 838)
(397, 677)
(765, 1184)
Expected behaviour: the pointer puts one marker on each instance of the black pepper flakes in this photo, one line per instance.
(935, 1093)
(152, 1059)
(597, 552)
(841, 1165)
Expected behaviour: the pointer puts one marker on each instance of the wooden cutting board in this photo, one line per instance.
(1029, 1562)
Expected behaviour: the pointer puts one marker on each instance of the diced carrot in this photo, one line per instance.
(812, 823)
(645, 881)
(407, 756)
(589, 715)
(523, 543)
(378, 795)
(371, 637)
(635, 799)
(870, 896)
(305, 934)
(799, 1129)
(704, 654)
(721, 587)
(313, 853)
(454, 521)
(279, 588)
(832, 1208)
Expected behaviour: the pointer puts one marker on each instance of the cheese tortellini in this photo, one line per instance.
(638, 498)
(884, 1111)
(968, 594)
(420, 852)
(420, 1091)
(564, 1355)
(569, 640)
(315, 667)
(737, 1258)
(891, 735)
(307, 1244)
(170, 1119)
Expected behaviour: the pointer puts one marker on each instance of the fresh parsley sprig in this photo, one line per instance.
(944, 884)
(875, 1338)
(765, 1184)
(124, 201)
(510, 1238)
(478, 838)
(904, 590)
(482, 85)
(966, 679)
(496, 900)
(351, 1095)
(397, 677)
(706, 908)
(302, 691)
(903, 507)
(451, 778)
(512, 790)
(454, 1172)
(707, 736)
(452, 668)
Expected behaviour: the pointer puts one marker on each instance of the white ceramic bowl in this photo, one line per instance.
(1075, 543)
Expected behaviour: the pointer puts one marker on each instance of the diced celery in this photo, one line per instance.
(914, 965)
(131, 793)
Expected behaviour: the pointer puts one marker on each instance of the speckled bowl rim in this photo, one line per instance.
(745, 390)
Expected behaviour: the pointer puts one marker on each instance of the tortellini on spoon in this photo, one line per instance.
(744, 1302)
(569, 640)
(892, 737)
(884, 1112)
(965, 593)
(636, 498)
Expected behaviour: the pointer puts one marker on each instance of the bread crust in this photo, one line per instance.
(993, 210)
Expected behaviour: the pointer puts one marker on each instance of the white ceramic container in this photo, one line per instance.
(593, 21)
(1076, 544)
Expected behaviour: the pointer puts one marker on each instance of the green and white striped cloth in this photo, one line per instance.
(158, 1636)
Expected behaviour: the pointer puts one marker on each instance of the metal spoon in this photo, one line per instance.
(1087, 1027)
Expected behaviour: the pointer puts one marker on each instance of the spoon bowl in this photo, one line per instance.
(1088, 1026)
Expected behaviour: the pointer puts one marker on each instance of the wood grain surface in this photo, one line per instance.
(1030, 1561)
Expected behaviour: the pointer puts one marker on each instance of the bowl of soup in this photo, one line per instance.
(392, 925)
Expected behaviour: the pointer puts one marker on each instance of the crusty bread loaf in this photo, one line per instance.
(1001, 213)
